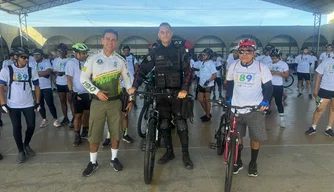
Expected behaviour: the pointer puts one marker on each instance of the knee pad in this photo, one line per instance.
(181, 125)
(164, 124)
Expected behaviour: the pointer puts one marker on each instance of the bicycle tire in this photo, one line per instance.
(220, 135)
(292, 81)
(150, 149)
(230, 164)
(141, 118)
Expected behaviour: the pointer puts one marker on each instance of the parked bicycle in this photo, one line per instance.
(227, 138)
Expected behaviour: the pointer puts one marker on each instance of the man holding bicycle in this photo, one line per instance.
(249, 84)
(171, 76)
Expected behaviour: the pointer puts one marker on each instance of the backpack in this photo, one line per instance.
(11, 80)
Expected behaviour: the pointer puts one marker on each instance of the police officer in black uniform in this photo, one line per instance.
(172, 75)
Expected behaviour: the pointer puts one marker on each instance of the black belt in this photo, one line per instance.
(109, 98)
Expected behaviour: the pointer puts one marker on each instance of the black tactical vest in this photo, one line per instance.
(168, 67)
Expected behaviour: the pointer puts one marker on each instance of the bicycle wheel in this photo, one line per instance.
(142, 121)
(220, 135)
(150, 150)
(230, 164)
(289, 81)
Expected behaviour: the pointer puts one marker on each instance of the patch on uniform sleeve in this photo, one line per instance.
(149, 58)
(84, 69)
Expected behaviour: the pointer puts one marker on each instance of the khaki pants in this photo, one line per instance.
(99, 112)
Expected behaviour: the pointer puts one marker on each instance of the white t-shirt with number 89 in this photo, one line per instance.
(248, 83)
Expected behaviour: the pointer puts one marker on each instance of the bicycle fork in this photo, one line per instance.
(227, 144)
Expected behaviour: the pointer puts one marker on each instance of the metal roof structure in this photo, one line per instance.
(19, 7)
(313, 6)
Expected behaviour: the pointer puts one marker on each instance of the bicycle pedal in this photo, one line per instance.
(212, 145)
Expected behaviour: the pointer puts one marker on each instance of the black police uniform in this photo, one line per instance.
(171, 76)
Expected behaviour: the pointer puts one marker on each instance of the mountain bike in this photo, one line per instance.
(227, 138)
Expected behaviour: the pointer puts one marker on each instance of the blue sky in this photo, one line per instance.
(95, 13)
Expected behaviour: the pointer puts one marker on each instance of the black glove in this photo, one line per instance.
(206, 83)
(74, 94)
(4, 108)
(37, 107)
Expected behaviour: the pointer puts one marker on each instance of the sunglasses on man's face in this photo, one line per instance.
(248, 51)
(24, 57)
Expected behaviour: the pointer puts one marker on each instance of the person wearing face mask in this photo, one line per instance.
(19, 79)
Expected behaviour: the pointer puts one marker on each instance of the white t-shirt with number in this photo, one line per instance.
(20, 97)
(59, 65)
(131, 60)
(207, 69)
(325, 55)
(280, 66)
(248, 83)
(44, 83)
(218, 64)
(326, 69)
(303, 62)
(73, 69)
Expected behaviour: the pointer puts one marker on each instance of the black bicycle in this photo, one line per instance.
(288, 81)
(147, 104)
(152, 133)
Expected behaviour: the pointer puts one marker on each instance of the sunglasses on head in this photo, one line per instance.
(248, 51)
(24, 57)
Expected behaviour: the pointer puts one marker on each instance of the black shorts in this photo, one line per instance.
(204, 90)
(83, 104)
(218, 81)
(302, 76)
(62, 89)
(326, 94)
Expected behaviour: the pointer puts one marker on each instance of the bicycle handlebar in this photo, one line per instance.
(223, 102)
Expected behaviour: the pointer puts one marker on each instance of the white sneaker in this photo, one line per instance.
(282, 125)
(44, 123)
(56, 123)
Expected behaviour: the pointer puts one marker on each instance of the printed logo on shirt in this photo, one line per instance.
(99, 61)
(115, 64)
(275, 68)
(330, 69)
(245, 79)
(20, 76)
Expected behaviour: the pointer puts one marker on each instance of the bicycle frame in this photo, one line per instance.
(231, 131)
